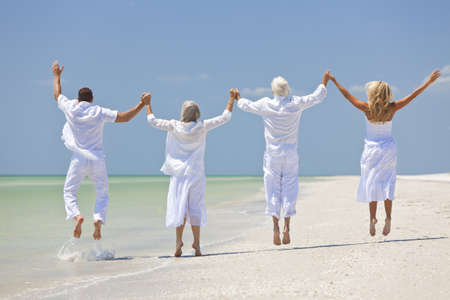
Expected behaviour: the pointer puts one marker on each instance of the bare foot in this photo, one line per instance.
(286, 237)
(372, 226)
(98, 230)
(197, 250)
(387, 226)
(276, 238)
(77, 231)
(178, 251)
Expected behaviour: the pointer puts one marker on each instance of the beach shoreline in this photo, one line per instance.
(331, 254)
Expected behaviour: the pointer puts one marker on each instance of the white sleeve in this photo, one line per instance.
(256, 107)
(63, 103)
(159, 123)
(312, 99)
(109, 115)
(217, 121)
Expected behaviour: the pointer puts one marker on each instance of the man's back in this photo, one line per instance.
(281, 117)
(83, 131)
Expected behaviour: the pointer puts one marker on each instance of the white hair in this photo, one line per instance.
(280, 86)
(190, 112)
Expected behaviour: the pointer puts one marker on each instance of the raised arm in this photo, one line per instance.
(359, 104)
(233, 95)
(225, 116)
(254, 107)
(56, 79)
(316, 97)
(152, 120)
(130, 114)
(399, 104)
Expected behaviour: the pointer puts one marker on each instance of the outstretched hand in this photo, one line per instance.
(55, 68)
(433, 76)
(146, 98)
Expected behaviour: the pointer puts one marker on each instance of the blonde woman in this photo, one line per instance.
(185, 150)
(379, 158)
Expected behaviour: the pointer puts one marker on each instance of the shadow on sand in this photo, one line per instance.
(313, 247)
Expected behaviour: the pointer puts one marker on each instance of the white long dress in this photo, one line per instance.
(185, 151)
(378, 164)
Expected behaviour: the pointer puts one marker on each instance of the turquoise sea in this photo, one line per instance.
(33, 230)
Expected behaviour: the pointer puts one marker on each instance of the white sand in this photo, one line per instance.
(331, 256)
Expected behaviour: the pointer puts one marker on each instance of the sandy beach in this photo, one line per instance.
(331, 255)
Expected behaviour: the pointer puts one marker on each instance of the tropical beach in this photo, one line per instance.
(331, 255)
(225, 150)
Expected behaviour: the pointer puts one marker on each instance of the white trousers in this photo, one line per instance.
(186, 200)
(79, 168)
(281, 184)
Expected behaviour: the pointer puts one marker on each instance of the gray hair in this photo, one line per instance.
(280, 86)
(190, 112)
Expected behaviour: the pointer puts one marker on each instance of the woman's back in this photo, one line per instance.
(376, 131)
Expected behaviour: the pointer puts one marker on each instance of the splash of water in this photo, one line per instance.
(70, 251)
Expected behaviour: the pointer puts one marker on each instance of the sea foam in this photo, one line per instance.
(71, 251)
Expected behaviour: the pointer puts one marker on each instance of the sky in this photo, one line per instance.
(198, 50)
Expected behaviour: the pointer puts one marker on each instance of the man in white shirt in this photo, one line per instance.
(281, 116)
(83, 135)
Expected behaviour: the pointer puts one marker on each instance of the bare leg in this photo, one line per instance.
(387, 222)
(276, 232)
(196, 243)
(97, 230)
(373, 217)
(77, 231)
(286, 236)
(179, 242)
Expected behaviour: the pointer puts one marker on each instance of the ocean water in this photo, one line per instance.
(39, 259)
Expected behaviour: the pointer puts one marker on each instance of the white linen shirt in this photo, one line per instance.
(281, 117)
(83, 131)
(185, 143)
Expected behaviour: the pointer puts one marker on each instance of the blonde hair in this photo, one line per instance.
(380, 95)
(190, 112)
(280, 86)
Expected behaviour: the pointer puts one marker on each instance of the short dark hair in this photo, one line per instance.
(85, 94)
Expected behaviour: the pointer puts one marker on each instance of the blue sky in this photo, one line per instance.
(197, 50)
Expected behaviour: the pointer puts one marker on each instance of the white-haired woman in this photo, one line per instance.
(185, 149)
(281, 116)
(379, 157)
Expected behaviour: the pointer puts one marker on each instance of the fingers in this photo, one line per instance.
(435, 75)
(237, 95)
(55, 68)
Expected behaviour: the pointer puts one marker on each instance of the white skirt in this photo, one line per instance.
(378, 171)
(185, 200)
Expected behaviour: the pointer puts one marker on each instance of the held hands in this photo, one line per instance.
(433, 76)
(146, 98)
(55, 68)
(326, 77)
(331, 77)
(234, 94)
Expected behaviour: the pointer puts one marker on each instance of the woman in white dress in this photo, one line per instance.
(379, 157)
(185, 149)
